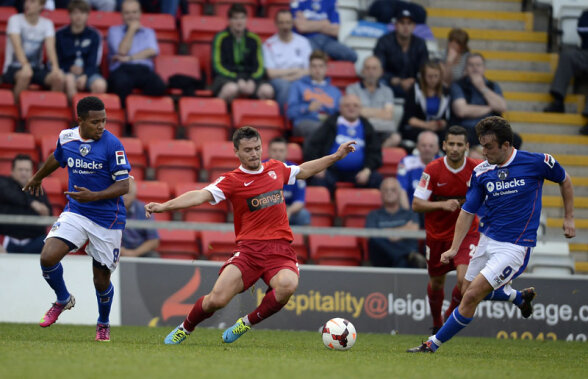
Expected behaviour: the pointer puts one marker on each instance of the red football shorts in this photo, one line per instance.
(436, 248)
(262, 259)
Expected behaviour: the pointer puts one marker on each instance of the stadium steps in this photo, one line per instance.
(487, 19)
(557, 202)
(500, 5)
(553, 222)
(581, 267)
(547, 128)
(535, 102)
(496, 39)
(546, 118)
(554, 143)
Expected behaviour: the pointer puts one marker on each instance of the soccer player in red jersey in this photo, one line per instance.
(440, 194)
(262, 232)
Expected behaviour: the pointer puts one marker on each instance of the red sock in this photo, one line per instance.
(269, 305)
(436, 302)
(455, 300)
(196, 316)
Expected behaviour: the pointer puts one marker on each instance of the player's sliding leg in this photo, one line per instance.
(436, 295)
(53, 252)
(228, 284)
(459, 318)
(282, 285)
(522, 299)
(104, 296)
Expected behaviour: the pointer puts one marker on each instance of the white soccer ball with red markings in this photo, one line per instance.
(339, 334)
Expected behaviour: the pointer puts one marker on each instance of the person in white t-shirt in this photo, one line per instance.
(285, 56)
(23, 64)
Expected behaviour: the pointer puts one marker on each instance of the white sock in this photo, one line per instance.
(246, 321)
(184, 328)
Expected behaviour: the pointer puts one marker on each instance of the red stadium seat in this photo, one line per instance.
(174, 161)
(342, 74)
(219, 157)
(165, 31)
(334, 250)
(60, 17)
(263, 27)
(222, 6)
(391, 157)
(198, 33)
(168, 65)
(48, 144)
(54, 188)
(217, 246)
(300, 248)
(319, 204)
(152, 118)
(103, 20)
(353, 204)
(12, 144)
(136, 156)
(45, 113)
(264, 115)
(152, 191)
(115, 115)
(178, 244)
(294, 153)
(205, 119)
(195, 7)
(274, 6)
(8, 112)
(204, 212)
(5, 13)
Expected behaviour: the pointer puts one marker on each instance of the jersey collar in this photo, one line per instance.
(510, 159)
(251, 172)
(454, 170)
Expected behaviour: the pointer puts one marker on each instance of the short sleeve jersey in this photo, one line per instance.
(440, 182)
(95, 165)
(258, 200)
(512, 195)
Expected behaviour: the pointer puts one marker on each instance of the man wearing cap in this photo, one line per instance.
(401, 53)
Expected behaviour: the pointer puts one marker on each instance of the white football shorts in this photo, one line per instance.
(104, 244)
(499, 262)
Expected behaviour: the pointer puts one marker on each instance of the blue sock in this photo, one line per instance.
(104, 304)
(452, 326)
(518, 300)
(501, 295)
(54, 277)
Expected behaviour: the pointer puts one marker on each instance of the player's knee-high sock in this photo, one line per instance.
(435, 302)
(455, 300)
(196, 316)
(452, 326)
(269, 305)
(506, 293)
(54, 277)
(104, 304)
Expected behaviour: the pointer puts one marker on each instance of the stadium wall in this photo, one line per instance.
(155, 293)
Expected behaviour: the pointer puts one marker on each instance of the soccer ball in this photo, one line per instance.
(339, 334)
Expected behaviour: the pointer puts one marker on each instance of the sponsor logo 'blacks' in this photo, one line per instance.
(265, 200)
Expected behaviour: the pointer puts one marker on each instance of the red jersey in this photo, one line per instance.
(441, 182)
(258, 200)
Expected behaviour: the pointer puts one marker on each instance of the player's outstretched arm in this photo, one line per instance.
(186, 200)
(34, 184)
(464, 221)
(84, 195)
(567, 193)
(423, 206)
(310, 168)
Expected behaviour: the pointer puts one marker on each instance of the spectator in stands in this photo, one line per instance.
(160, 6)
(572, 63)
(474, 97)
(13, 201)
(339, 128)
(79, 51)
(427, 105)
(294, 194)
(411, 167)
(394, 215)
(131, 50)
(312, 98)
(318, 20)
(27, 33)
(401, 53)
(237, 60)
(457, 52)
(285, 56)
(102, 5)
(377, 100)
(137, 242)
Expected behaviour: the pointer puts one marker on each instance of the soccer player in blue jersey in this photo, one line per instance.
(98, 177)
(509, 183)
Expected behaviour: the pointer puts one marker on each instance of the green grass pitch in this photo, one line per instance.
(28, 351)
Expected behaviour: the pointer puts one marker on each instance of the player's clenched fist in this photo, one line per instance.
(345, 148)
(447, 256)
(153, 208)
